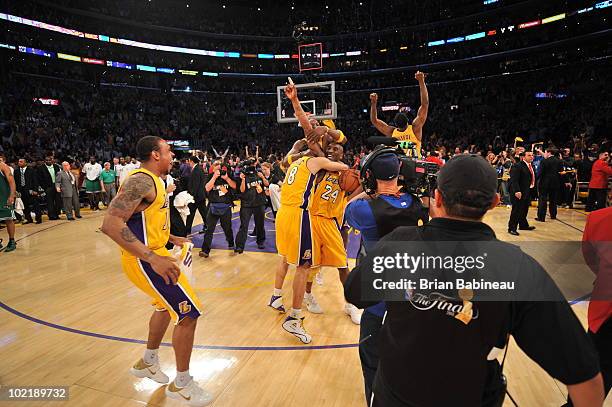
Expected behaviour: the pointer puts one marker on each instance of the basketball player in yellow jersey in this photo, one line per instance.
(295, 240)
(328, 205)
(402, 130)
(138, 220)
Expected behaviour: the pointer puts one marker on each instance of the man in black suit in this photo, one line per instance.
(26, 181)
(522, 184)
(550, 183)
(195, 187)
(46, 180)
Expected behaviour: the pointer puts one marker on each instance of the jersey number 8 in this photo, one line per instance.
(291, 175)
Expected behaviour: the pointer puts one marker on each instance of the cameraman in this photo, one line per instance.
(253, 201)
(375, 216)
(219, 189)
(441, 356)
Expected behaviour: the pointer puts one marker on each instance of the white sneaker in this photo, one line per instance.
(296, 328)
(353, 312)
(276, 303)
(312, 305)
(192, 394)
(319, 278)
(141, 369)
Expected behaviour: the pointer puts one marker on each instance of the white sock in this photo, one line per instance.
(150, 356)
(296, 313)
(182, 378)
(278, 292)
(307, 295)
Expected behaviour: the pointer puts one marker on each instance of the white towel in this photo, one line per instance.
(275, 196)
(180, 203)
(184, 257)
(19, 207)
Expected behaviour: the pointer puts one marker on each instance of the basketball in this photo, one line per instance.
(349, 180)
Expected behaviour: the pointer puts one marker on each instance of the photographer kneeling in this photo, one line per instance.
(376, 212)
(439, 347)
(253, 201)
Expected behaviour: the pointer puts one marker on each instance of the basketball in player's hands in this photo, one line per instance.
(349, 180)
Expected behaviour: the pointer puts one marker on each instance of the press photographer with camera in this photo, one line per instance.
(253, 201)
(220, 200)
(441, 349)
(375, 212)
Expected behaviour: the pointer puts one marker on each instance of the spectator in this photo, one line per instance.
(598, 186)
(108, 180)
(46, 180)
(66, 186)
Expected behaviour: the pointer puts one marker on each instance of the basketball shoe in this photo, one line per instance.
(353, 312)
(319, 278)
(141, 369)
(311, 304)
(295, 327)
(192, 394)
(276, 303)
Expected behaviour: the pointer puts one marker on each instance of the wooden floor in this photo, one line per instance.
(70, 317)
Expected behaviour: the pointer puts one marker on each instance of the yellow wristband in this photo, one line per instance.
(342, 137)
(289, 159)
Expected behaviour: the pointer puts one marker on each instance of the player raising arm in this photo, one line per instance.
(314, 132)
(402, 130)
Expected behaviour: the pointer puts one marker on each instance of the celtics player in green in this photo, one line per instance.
(8, 192)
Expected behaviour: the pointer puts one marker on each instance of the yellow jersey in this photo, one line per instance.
(297, 187)
(408, 135)
(152, 225)
(329, 201)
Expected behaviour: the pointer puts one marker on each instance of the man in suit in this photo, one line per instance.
(195, 187)
(550, 184)
(66, 186)
(27, 186)
(522, 184)
(46, 180)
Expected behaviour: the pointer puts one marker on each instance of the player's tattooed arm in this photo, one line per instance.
(137, 189)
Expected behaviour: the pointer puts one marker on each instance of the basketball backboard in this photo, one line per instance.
(318, 98)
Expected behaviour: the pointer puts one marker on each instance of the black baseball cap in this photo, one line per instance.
(467, 172)
(385, 166)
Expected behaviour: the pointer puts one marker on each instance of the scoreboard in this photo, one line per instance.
(310, 57)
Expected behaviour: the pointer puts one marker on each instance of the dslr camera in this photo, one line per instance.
(248, 167)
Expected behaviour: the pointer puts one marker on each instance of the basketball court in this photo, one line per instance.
(71, 318)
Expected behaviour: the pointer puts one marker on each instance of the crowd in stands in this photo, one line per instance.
(477, 116)
(274, 19)
(413, 41)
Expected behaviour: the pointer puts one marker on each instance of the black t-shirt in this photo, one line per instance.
(251, 197)
(429, 358)
(275, 179)
(278, 172)
(221, 192)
